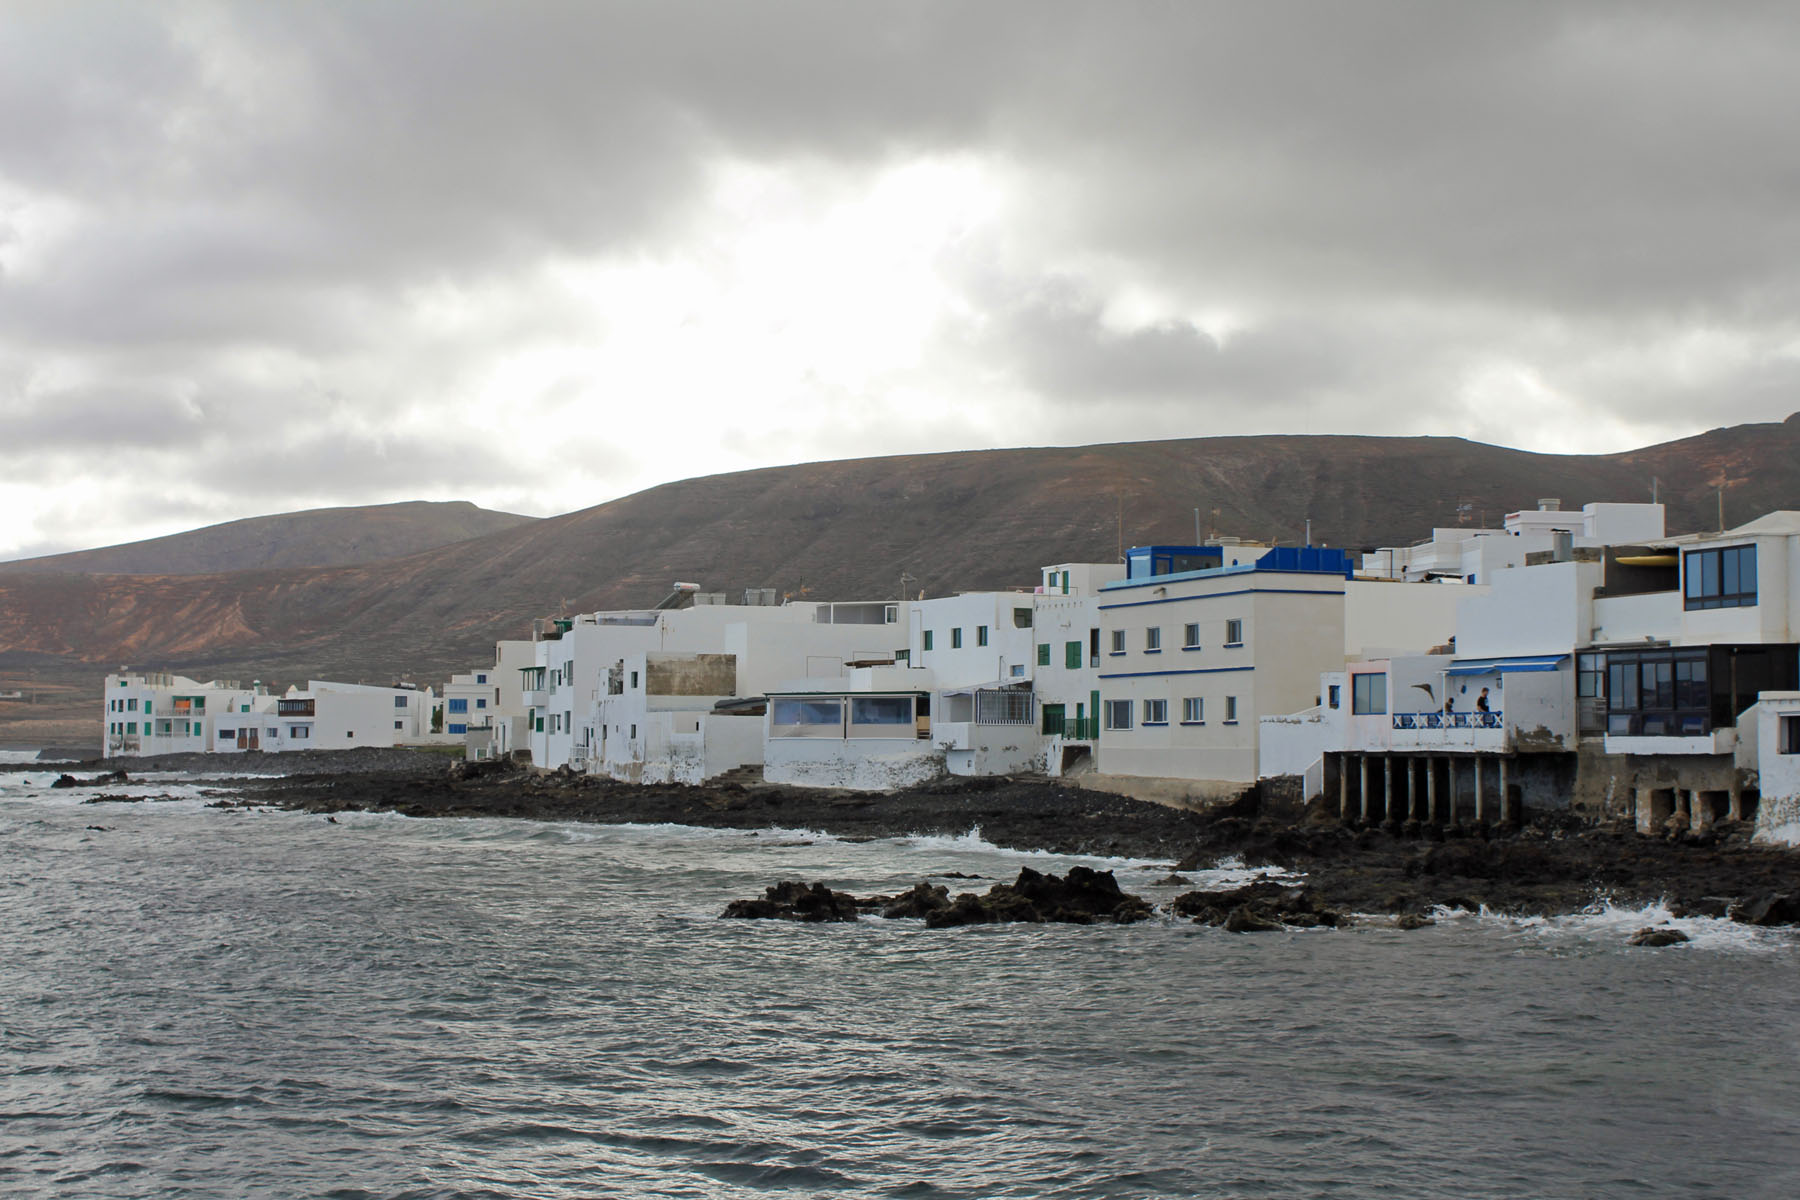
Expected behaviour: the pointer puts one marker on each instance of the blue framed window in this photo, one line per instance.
(459, 705)
(1722, 578)
(455, 728)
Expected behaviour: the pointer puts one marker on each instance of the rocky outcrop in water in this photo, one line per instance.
(1257, 907)
(1657, 936)
(1082, 897)
(796, 901)
(70, 781)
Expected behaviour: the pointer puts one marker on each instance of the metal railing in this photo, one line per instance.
(1002, 706)
(1449, 720)
(1081, 729)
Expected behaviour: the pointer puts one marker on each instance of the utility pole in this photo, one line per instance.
(1121, 499)
(1196, 527)
(1309, 531)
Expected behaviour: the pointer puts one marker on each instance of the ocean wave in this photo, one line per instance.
(1610, 923)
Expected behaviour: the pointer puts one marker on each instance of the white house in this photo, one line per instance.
(1458, 554)
(160, 713)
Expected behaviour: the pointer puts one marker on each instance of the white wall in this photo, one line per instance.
(1008, 655)
(1545, 609)
(859, 764)
(1778, 774)
(1382, 619)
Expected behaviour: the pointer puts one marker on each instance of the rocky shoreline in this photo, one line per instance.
(1550, 865)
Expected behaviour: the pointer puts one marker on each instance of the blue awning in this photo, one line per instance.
(1487, 666)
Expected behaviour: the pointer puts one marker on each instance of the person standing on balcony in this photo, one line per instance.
(1481, 701)
(1449, 704)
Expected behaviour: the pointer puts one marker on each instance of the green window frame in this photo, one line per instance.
(956, 638)
(981, 634)
(1072, 655)
(926, 643)
(1043, 654)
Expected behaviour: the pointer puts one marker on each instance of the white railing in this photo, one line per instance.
(1449, 720)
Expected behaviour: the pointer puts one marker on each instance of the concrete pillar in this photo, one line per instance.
(1736, 811)
(1362, 761)
(1699, 811)
(1480, 812)
(1412, 789)
(1505, 799)
(1343, 787)
(1431, 787)
(1387, 788)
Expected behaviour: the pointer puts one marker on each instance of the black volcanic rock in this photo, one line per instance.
(796, 902)
(1082, 897)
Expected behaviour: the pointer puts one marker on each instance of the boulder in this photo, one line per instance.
(1774, 908)
(921, 902)
(796, 901)
(1082, 897)
(1412, 921)
(1245, 919)
(1657, 936)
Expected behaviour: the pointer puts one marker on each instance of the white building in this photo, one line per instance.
(160, 713)
(1457, 554)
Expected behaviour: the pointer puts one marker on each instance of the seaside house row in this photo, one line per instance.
(153, 712)
(1158, 667)
(1648, 680)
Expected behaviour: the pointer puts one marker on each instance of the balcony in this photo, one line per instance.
(1081, 729)
(1484, 731)
(295, 708)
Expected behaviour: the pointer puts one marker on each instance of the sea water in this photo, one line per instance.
(202, 1002)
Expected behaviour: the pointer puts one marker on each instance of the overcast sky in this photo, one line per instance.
(258, 257)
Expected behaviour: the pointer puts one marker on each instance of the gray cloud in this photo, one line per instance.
(220, 224)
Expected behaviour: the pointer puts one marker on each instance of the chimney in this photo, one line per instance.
(1562, 545)
(1549, 504)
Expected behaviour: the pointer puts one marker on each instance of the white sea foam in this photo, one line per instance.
(1607, 923)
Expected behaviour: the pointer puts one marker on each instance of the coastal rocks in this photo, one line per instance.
(920, 902)
(1082, 897)
(1257, 908)
(70, 781)
(1410, 921)
(1657, 936)
(1776, 908)
(796, 901)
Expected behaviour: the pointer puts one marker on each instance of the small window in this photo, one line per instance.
(455, 728)
(481, 702)
(1043, 654)
(1156, 712)
(1331, 696)
(399, 701)
(1193, 711)
(1072, 656)
(1118, 641)
(1790, 735)
(634, 681)
(1368, 694)
(459, 705)
(348, 734)
(1234, 632)
(1021, 618)
(481, 679)
(981, 635)
(1190, 637)
(1153, 638)
(1118, 714)
(399, 724)
(926, 644)
(1231, 710)
(956, 638)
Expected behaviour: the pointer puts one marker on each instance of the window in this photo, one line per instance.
(1072, 655)
(453, 727)
(1153, 639)
(1723, 578)
(1043, 654)
(481, 679)
(1193, 711)
(1231, 710)
(1790, 735)
(459, 705)
(1118, 714)
(981, 635)
(956, 638)
(399, 724)
(634, 681)
(349, 735)
(795, 717)
(1368, 694)
(227, 733)
(131, 706)
(399, 701)
(1234, 632)
(1331, 696)
(1021, 618)
(882, 710)
(1118, 641)
(1156, 712)
(926, 645)
(1590, 676)
(1190, 637)
(481, 702)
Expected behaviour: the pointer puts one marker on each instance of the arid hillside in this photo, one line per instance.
(319, 537)
(844, 530)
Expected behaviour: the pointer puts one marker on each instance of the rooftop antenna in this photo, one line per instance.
(1121, 499)
(904, 580)
(1720, 484)
(1196, 527)
(1655, 484)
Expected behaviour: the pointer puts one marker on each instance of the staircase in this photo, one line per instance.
(748, 776)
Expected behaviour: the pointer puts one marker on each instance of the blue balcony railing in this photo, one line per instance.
(1449, 720)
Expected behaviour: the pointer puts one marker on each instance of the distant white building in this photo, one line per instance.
(160, 713)
(1458, 554)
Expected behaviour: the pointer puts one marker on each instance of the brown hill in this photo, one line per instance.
(847, 530)
(319, 537)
